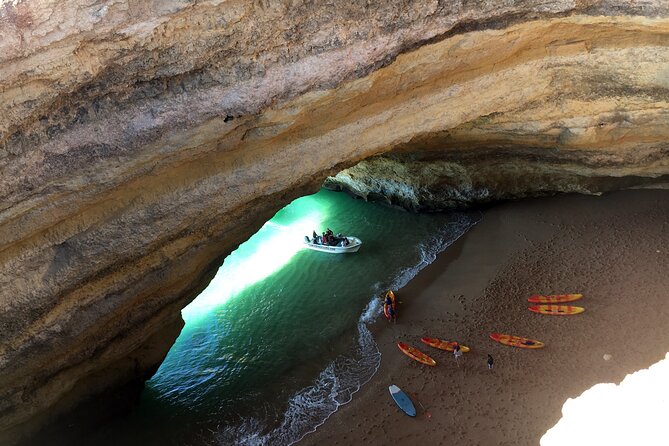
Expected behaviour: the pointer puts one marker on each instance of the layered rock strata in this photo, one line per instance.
(140, 142)
(426, 181)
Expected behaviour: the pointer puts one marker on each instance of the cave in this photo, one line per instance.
(126, 181)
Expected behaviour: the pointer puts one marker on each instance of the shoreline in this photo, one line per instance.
(604, 247)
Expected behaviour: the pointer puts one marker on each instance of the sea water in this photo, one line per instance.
(280, 339)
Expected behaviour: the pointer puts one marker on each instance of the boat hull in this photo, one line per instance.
(354, 246)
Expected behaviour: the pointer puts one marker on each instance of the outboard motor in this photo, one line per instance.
(306, 239)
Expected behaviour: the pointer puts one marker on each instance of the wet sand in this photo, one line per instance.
(614, 249)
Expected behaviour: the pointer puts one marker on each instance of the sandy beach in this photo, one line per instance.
(614, 249)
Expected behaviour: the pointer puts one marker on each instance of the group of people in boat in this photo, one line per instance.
(328, 238)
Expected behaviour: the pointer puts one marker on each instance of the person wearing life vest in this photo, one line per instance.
(392, 316)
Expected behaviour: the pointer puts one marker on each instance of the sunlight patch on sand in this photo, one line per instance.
(631, 413)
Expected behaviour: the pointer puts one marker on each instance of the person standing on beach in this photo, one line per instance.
(393, 315)
(457, 353)
(388, 304)
(490, 361)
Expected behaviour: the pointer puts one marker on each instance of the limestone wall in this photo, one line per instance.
(140, 142)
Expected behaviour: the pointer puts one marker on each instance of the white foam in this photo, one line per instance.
(310, 407)
(371, 311)
(313, 405)
(430, 248)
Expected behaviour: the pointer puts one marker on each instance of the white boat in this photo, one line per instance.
(353, 246)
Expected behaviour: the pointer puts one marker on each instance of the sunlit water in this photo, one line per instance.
(279, 339)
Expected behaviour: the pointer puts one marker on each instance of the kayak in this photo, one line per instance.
(556, 310)
(443, 345)
(553, 298)
(416, 354)
(516, 341)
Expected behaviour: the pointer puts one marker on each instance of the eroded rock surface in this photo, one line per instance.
(140, 142)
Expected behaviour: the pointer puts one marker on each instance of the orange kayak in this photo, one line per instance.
(556, 310)
(416, 354)
(516, 341)
(443, 345)
(553, 298)
(386, 309)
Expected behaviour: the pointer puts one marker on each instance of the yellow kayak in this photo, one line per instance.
(416, 354)
(553, 298)
(556, 310)
(443, 345)
(516, 341)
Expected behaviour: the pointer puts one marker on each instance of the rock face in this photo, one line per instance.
(427, 182)
(142, 141)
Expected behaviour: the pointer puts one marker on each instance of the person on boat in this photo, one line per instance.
(324, 239)
(315, 236)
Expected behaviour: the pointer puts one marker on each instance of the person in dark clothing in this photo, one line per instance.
(457, 353)
(391, 313)
(388, 303)
(490, 361)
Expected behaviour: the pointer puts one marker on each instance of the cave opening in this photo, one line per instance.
(280, 339)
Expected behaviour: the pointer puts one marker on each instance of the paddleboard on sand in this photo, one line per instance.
(556, 310)
(516, 341)
(443, 345)
(553, 298)
(402, 400)
(386, 309)
(416, 354)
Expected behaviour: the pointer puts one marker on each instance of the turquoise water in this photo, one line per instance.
(279, 339)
